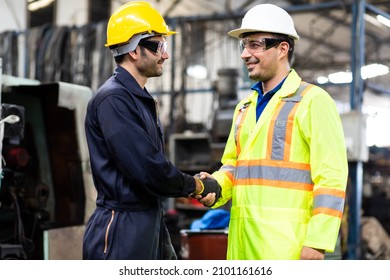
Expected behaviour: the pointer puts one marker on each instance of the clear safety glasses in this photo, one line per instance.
(259, 45)
(158, 47)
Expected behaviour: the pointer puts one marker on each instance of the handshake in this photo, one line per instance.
(208, 185)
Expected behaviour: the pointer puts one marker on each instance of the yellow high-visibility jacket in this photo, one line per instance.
(286, 174)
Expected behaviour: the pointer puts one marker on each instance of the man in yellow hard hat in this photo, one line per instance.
(125, 141)
(284, 165)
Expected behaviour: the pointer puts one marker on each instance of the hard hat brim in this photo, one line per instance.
(170, 33)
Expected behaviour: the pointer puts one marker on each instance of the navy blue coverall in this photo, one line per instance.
(130, 172)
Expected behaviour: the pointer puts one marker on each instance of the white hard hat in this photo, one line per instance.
(266, 18)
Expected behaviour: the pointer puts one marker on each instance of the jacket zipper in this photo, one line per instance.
(107, 230)
(157, 111)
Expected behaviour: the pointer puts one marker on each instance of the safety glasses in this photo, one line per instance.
(157, 47)
(260, 45)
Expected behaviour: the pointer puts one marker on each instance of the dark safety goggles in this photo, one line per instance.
(259, 45)
(158, 47)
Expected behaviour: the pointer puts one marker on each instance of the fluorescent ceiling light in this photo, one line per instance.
(367, 72)
(374, 70)
(340, 77)
(322, 80)
(197, 72)
(383, 20)
(39, 4)
(372, 20)
(378, 20)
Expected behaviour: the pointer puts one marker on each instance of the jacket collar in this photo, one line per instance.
(290, 85)
(130, 83)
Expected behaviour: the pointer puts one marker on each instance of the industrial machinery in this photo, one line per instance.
(195, 152)
(15, 187)
(45, 179)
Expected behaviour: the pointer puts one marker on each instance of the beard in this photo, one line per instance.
(261, 74)
(262, 69)
(150, 67)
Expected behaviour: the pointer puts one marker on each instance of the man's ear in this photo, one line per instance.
(133, 54)
(285, 47)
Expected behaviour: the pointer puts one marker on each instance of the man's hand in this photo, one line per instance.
(211, 189)
(308, 253)
(209, 200)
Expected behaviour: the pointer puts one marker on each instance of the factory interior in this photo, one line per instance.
(53, 59)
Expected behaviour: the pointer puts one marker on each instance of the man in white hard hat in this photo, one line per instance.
(284, 165)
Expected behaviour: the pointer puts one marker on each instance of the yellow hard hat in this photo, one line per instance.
(135, 18)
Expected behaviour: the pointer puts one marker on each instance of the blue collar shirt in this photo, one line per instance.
(263, 99)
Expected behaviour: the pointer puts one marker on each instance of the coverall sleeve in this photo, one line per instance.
(134, 152)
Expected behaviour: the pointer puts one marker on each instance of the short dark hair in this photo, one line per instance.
(290, 41)
(120, 58)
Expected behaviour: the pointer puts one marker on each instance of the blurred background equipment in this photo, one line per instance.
(45, 165)
(343, 47)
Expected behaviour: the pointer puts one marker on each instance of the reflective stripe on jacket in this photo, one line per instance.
(286, 174)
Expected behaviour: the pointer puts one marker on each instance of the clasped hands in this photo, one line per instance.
(207, 191)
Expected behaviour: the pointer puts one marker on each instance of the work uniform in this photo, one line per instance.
(130, 172)
(286, 174)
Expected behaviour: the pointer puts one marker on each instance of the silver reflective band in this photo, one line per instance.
(329, 201)
(274, 173)
(227, 168)
(131, 45)
(280, 127)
